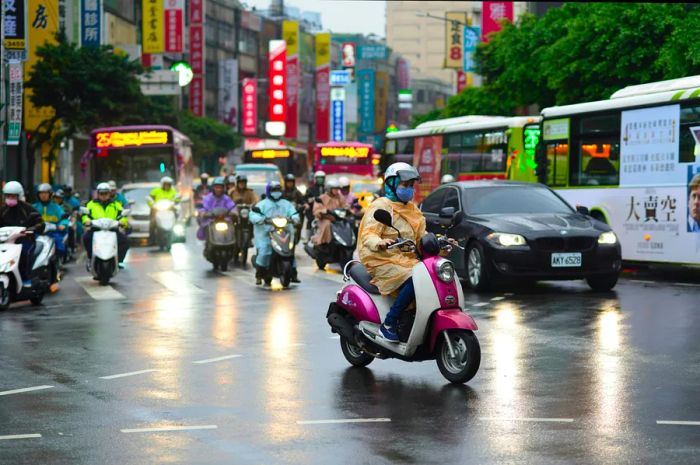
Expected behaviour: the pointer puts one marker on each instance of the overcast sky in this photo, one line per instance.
(340, 16)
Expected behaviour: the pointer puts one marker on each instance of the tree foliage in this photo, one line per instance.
(581, 52)
(209, 137)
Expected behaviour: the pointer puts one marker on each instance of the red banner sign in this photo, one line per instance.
(197, 48)
(461, 80)
(196, 11)
(491, 15)
(277, 80)
(323, 102)
(427, 157)
(197, 95)
(292, 97)
(249, 120)
(174, 25)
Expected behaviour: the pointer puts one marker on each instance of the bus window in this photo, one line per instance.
(454, 150)
(599, 163)
(494, 153)
(557, 163)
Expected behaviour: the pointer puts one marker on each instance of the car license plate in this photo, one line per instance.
(562, 260)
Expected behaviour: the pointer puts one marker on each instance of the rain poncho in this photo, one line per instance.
(243, 197)
(328, 202)
(209, 203)
(269, 209)
(51, 212)
(389, 268)
(159, 193)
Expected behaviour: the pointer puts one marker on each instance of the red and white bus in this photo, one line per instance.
(346, 158)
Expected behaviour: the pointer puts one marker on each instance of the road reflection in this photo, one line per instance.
(507, 338)
(610, 390)
(224, 321)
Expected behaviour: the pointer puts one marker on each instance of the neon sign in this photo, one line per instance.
(270, 153)
(118, 139)
(351, 152)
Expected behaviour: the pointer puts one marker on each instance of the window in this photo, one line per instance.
(557, 163)
(596, 159)
(515, 200)
(433, 202)
(451, 199)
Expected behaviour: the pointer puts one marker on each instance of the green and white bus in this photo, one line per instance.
(634, 161)
(469, 148)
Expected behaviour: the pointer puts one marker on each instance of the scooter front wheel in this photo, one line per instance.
(354, 354)
(4, 298)
(460, 364)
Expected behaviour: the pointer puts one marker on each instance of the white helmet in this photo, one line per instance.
(404, 171)
(166, 180)
(320, 174)
(112, 185)
(13, 188)
(45, 187)
(447, 178)
(332, 184)
(103, 187)
(344, 181)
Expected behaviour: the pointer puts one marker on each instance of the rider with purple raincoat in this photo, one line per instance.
(215, 199)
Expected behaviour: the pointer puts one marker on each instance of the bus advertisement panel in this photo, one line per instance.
(427, 158)
(346, 157)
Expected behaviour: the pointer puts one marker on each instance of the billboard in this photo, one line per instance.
(323, 88)
(427, 157)
(381, 100)
(454, 39)
(471, 40)
(174, 25)
(491, 15)
(277, 88)
(290, 34)
(14, 104)
(43, 24)
(365, 96)
(153, 33)
(196, 87)
(249, 102)
(228, 92)
(91, 23)
(338, 114)
(14, 29)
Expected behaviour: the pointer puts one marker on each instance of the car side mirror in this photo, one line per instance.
(447, 212)
(583, 210)
(457, 218)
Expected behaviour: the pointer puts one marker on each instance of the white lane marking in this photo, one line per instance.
(678, 422)
(480, 304)
(532, 420)
(168, 428)
(496, 299)
(686, 284)
(641, 281)
(348, 420)
(29, 389)
(131, 373)
(217, 359)
(19, 436)
(174, 282)
(98, 292)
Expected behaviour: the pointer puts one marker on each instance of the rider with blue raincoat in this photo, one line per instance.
(273, 205)
(51, 212)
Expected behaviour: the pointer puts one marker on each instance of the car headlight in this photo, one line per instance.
(445, 271)
(221, 227)
(279, 222)
(607, 238)
(507, 240)
(163, 205)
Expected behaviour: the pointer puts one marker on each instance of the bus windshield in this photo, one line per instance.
(130, 166)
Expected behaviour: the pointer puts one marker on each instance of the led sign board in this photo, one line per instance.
(270, 153)
(351, 152)
(116, 139)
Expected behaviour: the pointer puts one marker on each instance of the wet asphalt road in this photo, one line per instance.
(255, 376)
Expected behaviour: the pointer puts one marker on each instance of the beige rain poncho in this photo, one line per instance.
(389, 268)
(328, 202)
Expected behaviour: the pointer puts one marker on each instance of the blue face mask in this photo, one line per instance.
(404, 194)
(275, 195)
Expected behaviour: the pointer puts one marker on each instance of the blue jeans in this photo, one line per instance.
(406, 295)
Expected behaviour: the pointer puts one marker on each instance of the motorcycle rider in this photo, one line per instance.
(202, 190)
(331, 200)
(391, 269)
(166, 191)
(70, 198)
(118, 196)
(447, 178)
(350, 198)
(273, 205)
(317, 189)
(103, 206)
(294, 195)
(16, 212)
(51, 212)
(241, 194)
(217, 198)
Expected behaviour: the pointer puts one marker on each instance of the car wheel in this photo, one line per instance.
(603, 283)
(477, 268)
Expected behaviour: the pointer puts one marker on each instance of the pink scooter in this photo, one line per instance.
(437, 328)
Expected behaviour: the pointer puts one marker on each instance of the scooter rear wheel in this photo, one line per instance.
(354, 354)
(467, 356)
(37, 298)
(4, 298)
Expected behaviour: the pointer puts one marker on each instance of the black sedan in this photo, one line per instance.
(523, 231)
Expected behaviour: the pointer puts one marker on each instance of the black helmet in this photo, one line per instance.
(241, 177)
(289, 177)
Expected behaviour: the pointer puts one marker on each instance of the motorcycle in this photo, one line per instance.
(281, 262)
(220, 242)
(165, 221)
(54, 259)
(436, 328)
(104, 264)
(12, 288)
(244, 233)
(342, 244)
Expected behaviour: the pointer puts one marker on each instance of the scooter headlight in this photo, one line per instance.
(445, 271)
(279, 222)
(179, 230)
(163, 205)
(244, 213)
(221, 227)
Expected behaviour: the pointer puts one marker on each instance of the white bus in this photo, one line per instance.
(634, 161)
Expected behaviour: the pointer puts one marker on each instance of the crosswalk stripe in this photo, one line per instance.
(98, 292)
(174, 282)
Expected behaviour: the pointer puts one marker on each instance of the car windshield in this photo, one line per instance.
(138, 195)
(514, 200)
(260, 176)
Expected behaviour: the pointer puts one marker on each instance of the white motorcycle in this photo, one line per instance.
(166, 220)
(12, 288)
(104, 264)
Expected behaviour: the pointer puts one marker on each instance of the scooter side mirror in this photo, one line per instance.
(383, 217)
(126, 212)
(84, 211)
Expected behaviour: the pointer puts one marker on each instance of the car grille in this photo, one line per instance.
(564, 244)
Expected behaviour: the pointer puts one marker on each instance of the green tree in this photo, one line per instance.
(210, 138)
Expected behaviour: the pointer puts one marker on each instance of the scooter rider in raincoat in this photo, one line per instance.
(331, 200)
(273, 205)
(217, 198)
(166, 191)
(52, 213)
(241, 194)
(105, 207)
(391, 269)
(294, 195)
(118, 196)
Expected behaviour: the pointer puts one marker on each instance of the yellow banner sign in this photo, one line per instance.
(454, 39)
(290, 34)
(153, 33)
(42, 19)
(323, 49)
(270, 153)
(350, 152)
(105, 140)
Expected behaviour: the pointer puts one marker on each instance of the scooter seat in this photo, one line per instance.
(361, 276)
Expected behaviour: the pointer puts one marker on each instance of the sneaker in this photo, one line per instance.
(258, 281)
(388, 333)
(295, 279)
